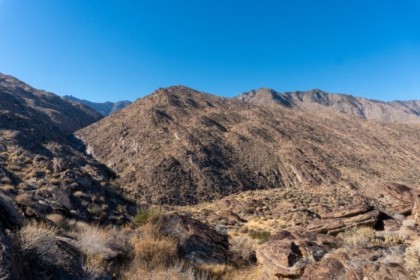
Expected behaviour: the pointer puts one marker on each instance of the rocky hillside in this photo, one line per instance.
(181, 146)
(104, 108)
(43, 167)
(316, 100)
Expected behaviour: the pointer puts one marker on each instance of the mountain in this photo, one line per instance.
(43, 167)
(104, 108)
(180, 146)
(315, 100)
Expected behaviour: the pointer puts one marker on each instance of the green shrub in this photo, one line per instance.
(261, 236)
(145, 216)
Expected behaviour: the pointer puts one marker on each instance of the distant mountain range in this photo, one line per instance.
(104, 108)
(318, 100)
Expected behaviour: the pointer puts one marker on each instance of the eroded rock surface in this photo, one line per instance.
(197, 242)
(287, 252)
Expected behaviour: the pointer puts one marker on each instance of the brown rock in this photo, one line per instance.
(197, 242)
(346, 211)
(287, 252)
(416, 205)
(357, 264)
(336, 225)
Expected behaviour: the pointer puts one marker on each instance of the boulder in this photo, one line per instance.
(197, 242)
(396, 198)
(287, 252)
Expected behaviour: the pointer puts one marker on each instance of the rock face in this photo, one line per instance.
(179, 146)
(197, 242)
(43, 167)
(288, 252)
(105, 108)
(317, 100)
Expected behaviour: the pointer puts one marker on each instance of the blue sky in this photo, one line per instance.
(120, 49)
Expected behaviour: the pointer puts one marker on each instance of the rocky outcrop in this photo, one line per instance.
(287, 252)
(339, 220)
(374, 263)
(197, 242)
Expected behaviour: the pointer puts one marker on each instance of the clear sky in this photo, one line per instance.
(124, 49)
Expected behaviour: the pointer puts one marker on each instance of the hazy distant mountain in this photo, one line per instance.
(104, 108)
(181, 146)
(315, 100)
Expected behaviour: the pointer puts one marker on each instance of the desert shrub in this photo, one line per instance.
(40, 244)
(178, 271)
(144, 216)
(362, 237)
(261, 235)
(100, 246)
(242, 250)
(154, 252)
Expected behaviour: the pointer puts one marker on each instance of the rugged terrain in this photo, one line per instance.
(187, 185)
(43, 167)
(103, 108)
(318, 100)
(180, 146)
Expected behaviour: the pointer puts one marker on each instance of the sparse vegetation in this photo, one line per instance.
(261, 236)
(145, 216)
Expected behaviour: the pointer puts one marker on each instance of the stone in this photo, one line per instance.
(287, 252)
(357, 264)
(197, 242)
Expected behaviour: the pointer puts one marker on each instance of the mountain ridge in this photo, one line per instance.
(182, 146)
(315, 100)
(103, 108)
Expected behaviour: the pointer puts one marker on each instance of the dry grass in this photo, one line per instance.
(362, 237)
(177, 271)
(38, 240)
(100, 245)
(154, 252)
(242, 250)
